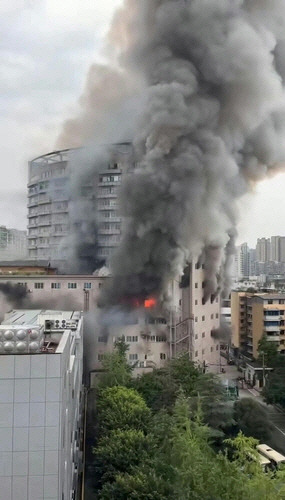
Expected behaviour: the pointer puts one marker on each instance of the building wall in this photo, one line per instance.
(257, 325)
(205, 318)
(148, 344)
(39, 417)
(54, 291)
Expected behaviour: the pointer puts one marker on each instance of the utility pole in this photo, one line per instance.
(263, 369)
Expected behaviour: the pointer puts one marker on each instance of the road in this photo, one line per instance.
(276, 416)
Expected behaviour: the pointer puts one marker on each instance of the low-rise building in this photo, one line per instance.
(41, 398)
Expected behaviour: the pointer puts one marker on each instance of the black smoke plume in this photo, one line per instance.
(211, 78)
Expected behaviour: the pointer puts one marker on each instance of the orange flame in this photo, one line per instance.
(148, 303)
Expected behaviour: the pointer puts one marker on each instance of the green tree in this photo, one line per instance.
(160, 387)
(267, 352)
(140, 485)
(252, 419)
(116, 370)
(120, 451)
(122, 408)
(217, 412)
(274, 390)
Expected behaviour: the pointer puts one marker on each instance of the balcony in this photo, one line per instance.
(44, 212)
(110, 219)
(107, 196)
(273, 338)
(44, 223)
(271, 328)
(44, 200)
(272, 318)
(111, 232)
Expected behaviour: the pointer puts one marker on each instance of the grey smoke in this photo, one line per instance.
(211, 124)
(16, 295)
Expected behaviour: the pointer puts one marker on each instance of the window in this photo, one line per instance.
(133, 357)
(99, 285)
(203, 335)
(72, 285)
(132, 339)
(203, 318)
(39, 286)
(270, 302)
(203, 351)
(196, 320)
(196, 354)
(152, 338)
(87, 285)
(100, 357)
(160, 339)
(196, 336)
(212, 316)
(101, 339)
(203, 284)
(217, 348)
(281, 301)
(162, 355)
(196, 285)
(212, 349)
(217, 315)
(55, 286)
(196, 302)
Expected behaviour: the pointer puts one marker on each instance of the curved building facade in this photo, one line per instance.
(54, 196)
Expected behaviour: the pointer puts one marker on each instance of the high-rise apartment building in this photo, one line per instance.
(263, 249)
(40, 405)
(275, 248)
(242, 261)
(52, 202)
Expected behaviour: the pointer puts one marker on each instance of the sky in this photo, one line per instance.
(46, 49)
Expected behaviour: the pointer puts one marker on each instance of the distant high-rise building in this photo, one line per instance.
(275, 248)
(282, 249)
(13, 243)
(242, 261)
(263, 249)
(252, 260)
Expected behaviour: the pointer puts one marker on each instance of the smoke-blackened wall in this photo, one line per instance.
(211, 124)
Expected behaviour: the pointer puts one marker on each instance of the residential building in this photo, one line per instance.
(13, 243)
(239, 303)
(53, 203)
(226, 311)
(257, 315)
(40, 405)
(242, 261)
(263, 249)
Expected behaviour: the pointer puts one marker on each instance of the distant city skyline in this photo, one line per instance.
(262, 213)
